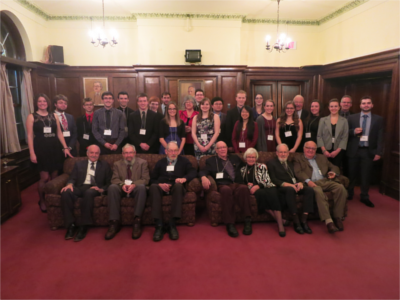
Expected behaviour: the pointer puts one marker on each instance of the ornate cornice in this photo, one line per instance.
(243, 18)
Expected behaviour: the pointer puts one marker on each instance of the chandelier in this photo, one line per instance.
(99, 37)
(282, 42)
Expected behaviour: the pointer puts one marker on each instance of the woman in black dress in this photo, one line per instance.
(289, 128)
(44, 138)
(311, 123)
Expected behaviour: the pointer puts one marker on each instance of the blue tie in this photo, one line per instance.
(364, 128)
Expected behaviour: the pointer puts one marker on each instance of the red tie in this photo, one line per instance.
(64, 122)
(129, 172)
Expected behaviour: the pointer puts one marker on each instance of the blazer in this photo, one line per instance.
(278, 173)
(232, 116)
(261, 175)
(140, 172)
(214, 165)
(375, 137)
(84, 127)
(324, 135)
(151, 136)
(304, 114)
(127, 112)
(102, 174)
(303, 170)
(183, 169)
(164, 130)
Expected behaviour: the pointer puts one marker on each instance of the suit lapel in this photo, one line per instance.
(328, 124)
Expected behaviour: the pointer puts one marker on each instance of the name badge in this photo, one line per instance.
(142, 132)
(86, 137)
(288, 133)
(204, 137)
(91, 172)
(126, 129)
(66, 133)
(308, 134)
(170, 168)
(270, 137)
(364, 138)
(320, 173)
(294, 180)
(333, 140)
(242, 145)
(220, 175)
(128, 182)
(107, 131)
(46, 129)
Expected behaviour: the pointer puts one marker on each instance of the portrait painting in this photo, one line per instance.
(94, 87)
(188, 87)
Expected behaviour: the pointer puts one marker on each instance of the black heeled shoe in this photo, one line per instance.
(282, 233)
(42, 210)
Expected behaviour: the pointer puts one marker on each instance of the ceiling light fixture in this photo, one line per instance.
(99, 37)
(282, 42)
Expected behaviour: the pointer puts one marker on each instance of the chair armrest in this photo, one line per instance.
(55, 185)
(194, 186)
(343, 180)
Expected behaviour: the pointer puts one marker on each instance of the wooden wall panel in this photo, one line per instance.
(127, 84)
(286, 92)
(69, 86)
(172, 88)
(266, 88)
(43, 85)
(210, 88)
(152, 86)
(228, 92)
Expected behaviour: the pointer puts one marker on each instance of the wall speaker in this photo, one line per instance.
(193, 56)
(56, 54)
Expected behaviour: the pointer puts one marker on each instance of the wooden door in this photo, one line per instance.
(286, 92)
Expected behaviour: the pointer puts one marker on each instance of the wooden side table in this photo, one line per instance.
(10, 192)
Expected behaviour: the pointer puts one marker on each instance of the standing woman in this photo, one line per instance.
(311, 123)
(44, 137)
(205, 130)
(289, 128)
(187, 116)
(172, 129)
(266, 128)
(245, 132)
(333, 132)
(258, 108)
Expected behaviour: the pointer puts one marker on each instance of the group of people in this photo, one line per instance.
(200, 129)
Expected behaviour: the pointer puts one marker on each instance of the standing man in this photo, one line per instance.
(217, 105)
(67, 122)
(225, 170)
(108, 126)
(198, 95)
(89, 178)
(365, 146)
(345, 104)
(232, 116)
(165, 98)
(319, 173)
(168, 177)
(299, 103)
(84, 127)
(129, 179)
(123, 99)
(143, 127)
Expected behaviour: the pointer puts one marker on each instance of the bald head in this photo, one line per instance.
(222, 149)
(93, 153)
(310, 148)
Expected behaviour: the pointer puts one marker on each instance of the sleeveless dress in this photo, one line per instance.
(173, 136)
(48, 148)
(269, 128)
(290, 140)
(204, 127)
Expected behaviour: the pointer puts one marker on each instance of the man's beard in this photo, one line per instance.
(282, 160)
(129, 163)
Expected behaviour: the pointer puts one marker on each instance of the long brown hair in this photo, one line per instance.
(283, 116)
(36, 99)
(167, 117)
(210, 113)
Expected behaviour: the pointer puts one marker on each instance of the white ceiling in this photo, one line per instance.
(258, 9)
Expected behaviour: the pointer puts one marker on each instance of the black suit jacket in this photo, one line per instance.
(84, 127)
(212, 169)
(375, 137)
(304, 115)
(183, 169)
(277, 172)
(102, 174)
(128, 111)
(152, 126)
(232, 116)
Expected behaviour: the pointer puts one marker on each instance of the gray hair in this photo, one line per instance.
(128, 145)
(172, 142)
(283, 144)
(87, 149)
(188, 98)
(250, 151)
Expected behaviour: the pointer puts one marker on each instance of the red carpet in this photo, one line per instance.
(361, 262)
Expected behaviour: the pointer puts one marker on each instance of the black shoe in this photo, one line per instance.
(81, 233)
(158, 234)
(286, 223)
(232, 232)
(71, 231)
(112, 231)
(173, 233)
(367, 202)
(297, 227)
(282, 233)
(42, 210)
(247, 230)
(306, 228)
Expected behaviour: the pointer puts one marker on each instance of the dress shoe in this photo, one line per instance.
(331, 227)
(339, 224)
(367, 202)
(232, 232)
(282, 233)
(158, 234)
(82, 231)
(137, 229)
(306, 228)
(71, 231)
(173, 233)
(286, 223)
(247, 230)
(114, 228)
(297, 227)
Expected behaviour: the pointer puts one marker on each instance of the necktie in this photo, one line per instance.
(90, 119)
(108, 119)
(364, 129)
(143, 120)
(284, 165)
(64, 122)
(92, 180)
(129, 172)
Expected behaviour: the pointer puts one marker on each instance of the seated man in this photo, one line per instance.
(168, 177)
(318, 172)
(225, 169)
(89, 178)
(129, 179)
(282, 175)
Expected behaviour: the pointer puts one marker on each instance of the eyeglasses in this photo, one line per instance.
(223, 147)
(173, 151)
(171, 108)
(289, 107)
(310, 148)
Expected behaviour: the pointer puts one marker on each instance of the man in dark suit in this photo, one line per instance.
(67, 122)
(143, 127)
(299, 103)
(217, 105)
(232, 116)
(281, 172)
(225, 170)
(123, 99)
(168, 177)
(199, 96)
(365, 146)
(345, 104)
(320, 174)
(84, 127)
(165, 98)
(89, 178)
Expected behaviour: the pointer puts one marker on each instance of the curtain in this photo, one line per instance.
(26, 96)
(8, 127)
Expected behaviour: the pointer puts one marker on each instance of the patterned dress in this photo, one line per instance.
(205, 126)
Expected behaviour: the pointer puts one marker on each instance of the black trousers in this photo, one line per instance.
(362, 163)
(338, 159)
(68, 199)
(156, 193)
(288, 195)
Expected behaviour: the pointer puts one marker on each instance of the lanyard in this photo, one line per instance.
(288, 170)
(309, 125)
(227, 161)
(48, 118)
(269, 126)
(242, 139)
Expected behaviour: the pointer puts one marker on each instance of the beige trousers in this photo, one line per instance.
(339, 198)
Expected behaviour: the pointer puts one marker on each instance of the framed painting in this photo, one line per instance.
(93, 87)
(188, 87)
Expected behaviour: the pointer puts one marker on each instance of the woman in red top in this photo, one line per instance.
(187, 116)
(245, 132)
